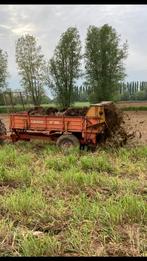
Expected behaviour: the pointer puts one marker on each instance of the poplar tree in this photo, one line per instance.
(104, 62)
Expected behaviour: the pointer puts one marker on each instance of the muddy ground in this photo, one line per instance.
(133, 121)
(137, 121)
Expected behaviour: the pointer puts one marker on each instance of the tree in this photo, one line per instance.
(137, 87)
(64, 67)
(31, 67)
(104, 62)
(3, 69)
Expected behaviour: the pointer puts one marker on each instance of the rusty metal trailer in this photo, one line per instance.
(64, 130)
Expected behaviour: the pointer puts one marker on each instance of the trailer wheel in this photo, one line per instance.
(65, 142)
(2, 131)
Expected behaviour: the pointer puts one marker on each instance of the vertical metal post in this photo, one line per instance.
(22, 100)
(11, 99)
(28, 99)
(5, 101)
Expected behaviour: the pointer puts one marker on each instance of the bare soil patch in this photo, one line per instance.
(136, 121)
(124, 104)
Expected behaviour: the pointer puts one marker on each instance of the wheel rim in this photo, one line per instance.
(67, 144)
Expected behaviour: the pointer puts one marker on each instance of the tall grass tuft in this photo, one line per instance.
(39, 246)
(25, 202)
(100, 164)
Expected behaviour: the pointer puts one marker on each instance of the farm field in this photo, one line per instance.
(80, 204)
(75, 204)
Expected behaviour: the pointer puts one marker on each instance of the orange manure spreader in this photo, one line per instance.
(64, 130)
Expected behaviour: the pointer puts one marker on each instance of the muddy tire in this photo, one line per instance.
(2, 131)
(66, 142)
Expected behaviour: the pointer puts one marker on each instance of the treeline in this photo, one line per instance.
(133, 91)
(11, 98)
(100, 64)
(132, 87)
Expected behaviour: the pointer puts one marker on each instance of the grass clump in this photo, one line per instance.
(100, 163)
(83, 208)
(139, 152)
(127, 209)
(21, 176)
(78, 241)
(25, 201)
(6, 237)
(61, 162)
(39, 246)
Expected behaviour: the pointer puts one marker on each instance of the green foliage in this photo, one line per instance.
(64, 68)
(31, 67)
(3, 69)
(82, 94)
(46, 99)
(140, 96)
(133, 91)
(125, 96)
(133, 108)
(104, 62)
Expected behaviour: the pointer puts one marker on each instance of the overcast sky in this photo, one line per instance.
(48, 22)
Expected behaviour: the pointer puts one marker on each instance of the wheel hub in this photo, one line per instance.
(67, 144)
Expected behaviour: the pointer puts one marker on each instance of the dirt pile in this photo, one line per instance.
(37, 110)
(52, 111)
(116, 133)
(76, 111)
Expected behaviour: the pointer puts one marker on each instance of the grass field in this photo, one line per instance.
(80, 204)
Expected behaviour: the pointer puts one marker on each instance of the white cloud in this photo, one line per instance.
(47, 22)
(24, 29)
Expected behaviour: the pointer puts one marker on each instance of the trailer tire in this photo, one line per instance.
(2, 131)
(67, 141)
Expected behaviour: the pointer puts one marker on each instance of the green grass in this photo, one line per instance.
(24, 202)
(133, 108)
(83, 203)
(41, 246)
